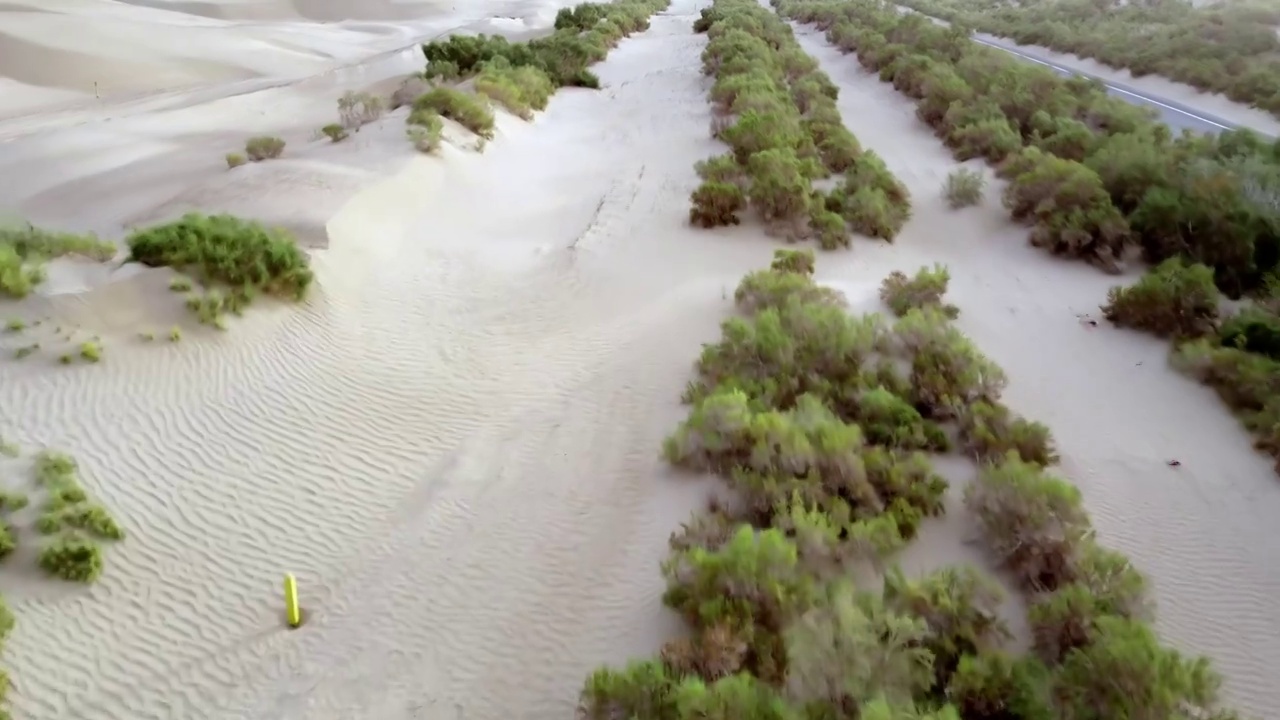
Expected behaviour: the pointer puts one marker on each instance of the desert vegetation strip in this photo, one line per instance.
(1229, 48)
(520, 76)
(25, 249)
(821, 424)
(777, 113)
(1101, 180)
(73, 526)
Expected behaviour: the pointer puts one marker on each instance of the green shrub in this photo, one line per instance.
(72, 558)
(520, 89)
(1069, 207)
(990, 432)
(241, 255)
(1172, 300)
(263, 147)
(926, 289)
(716, 204)
(1254, 330)
(463, 108)
(1126, 673)
(24, 250)
(91, 351)
(334, 132)
(235, 160)
(964, 187)
(992, 685)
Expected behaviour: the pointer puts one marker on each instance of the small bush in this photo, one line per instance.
(263, 147)
(15, 325)
(91, 351)
(926, 289)
(334, 132)
(990, 432)
(463, 108)
(235, 160)
(521, 89)
(72, 558)
(180, 284)
(716, 204)
(355, 110)
(1172, 300)
(964, 187)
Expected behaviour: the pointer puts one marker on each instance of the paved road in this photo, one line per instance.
(1175, 115)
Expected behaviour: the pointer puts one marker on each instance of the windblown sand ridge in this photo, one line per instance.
(453, 443)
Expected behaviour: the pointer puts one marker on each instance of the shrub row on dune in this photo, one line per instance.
(777, 113)
(520, 76)
(1095, 176)
(583, 35)
(1230, 48)
(819, 421)
(1100, 180)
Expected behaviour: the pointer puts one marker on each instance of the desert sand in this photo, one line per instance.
(454, 443)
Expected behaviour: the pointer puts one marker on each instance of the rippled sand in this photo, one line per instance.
(454, 442)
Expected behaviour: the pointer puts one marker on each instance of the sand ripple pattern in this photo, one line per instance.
(457, 459)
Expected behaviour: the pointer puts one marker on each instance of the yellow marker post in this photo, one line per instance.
(291, 600)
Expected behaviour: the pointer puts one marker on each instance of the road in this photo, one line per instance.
(1175, 115)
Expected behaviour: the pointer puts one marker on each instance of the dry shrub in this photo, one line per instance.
(964, 187)
(1034, 523)
(356, 110)
(263, 147)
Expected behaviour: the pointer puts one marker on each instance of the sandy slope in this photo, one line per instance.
(454, 442)
(91, 54)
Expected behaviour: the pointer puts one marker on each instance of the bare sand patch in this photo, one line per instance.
(1200, 531)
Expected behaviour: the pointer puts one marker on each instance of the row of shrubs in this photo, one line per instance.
(1095, 176)
(583, 35)
(1229, 48)
(819, 421)
(1097, 179)
(520, 76)
(777, 113)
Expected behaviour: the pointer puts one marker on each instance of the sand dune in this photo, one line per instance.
(453, 443)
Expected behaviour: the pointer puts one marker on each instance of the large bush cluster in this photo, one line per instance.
(820, 421)
(236, 259)
(1100, 180)
(583, 35)
(777, 113)
(1230, 48)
